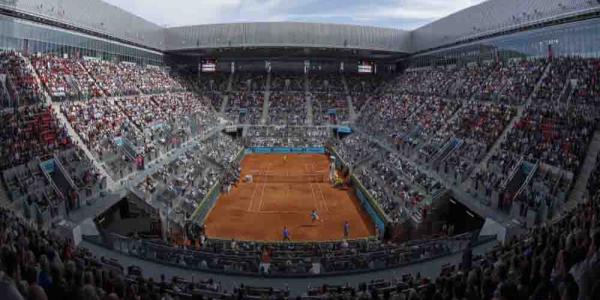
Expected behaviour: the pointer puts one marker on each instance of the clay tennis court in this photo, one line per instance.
(283, 193)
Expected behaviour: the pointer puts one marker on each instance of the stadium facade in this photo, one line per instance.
(494, 28)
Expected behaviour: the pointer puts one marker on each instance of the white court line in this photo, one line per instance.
(252, 198)
(314, 165)
(324, 201)
(288, 212)
(313, 194)
(323, 197)
(262, 196)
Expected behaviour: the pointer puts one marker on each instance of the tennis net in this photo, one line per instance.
(304, 178)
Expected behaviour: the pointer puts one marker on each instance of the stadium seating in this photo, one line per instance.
(286, 136)
(22, 85)
(287, 109)
(129, 79)
(31, 133)
(65, 78)
(498, 272)
(487, 129)
(245, 107)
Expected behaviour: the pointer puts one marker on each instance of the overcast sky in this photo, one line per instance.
(401, 14)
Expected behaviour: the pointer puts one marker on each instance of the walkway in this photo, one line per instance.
(308, 101)
(580, 188)
(297, 286)
(110, 183)
(225, 100)
(264, 117)
(351, 112)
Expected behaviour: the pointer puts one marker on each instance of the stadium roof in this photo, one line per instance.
(397, 14)
(490, 16)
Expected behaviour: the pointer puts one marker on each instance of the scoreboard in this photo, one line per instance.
(366, 67)
(208, 66)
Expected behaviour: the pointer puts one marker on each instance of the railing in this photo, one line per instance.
(447, 149)
(248, 262)
(63, 170)
(52, 185)
(206, 204)
(512, 174)
(527, 180)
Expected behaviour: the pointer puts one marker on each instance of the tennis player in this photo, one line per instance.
(346, 229)
(314, 216)
(286, 234)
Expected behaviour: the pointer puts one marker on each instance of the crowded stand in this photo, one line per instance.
(510, 82)
(552, 86)
(21, 83)
(474, 78)
(492, 178)
(354, 149)
(584, 84)
(119, 129)
(112, 78)
(29, 133)
(437, 81)
(65, 78)
(183, 183)
(377, 118)
(245, 108)
(214, 82)
(329, 108)
(454, 159)
(292, 260)
(249, 82)
(287, 109)
(366, 84)
(417, 118)
(286, 136)
(557, 127)
(4, 98)
(283, 82)
(124, 79)
(398, 186)
(98, 122)
(554, 261)
(326, 83)
(593, 184)
(372, 178)
(212, 86)
(555, 134)
(221, 149)
(87, 183)
(360, 100)
(463, 142)
(363, 88)
(400, 189)
(329, 99)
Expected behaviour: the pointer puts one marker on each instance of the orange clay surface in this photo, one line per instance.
(259, 211)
